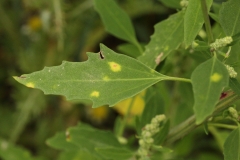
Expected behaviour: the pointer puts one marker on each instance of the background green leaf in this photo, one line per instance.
(168, 35)
(193, 20)
(208, 80)
(83, 140)
(115, 153)
(58, 141)
(104, 81)
(116, 21)
(229, 17)
(234, 85)
(154, 105)
(171, 3)
(129, 49)
(232, 146)
(9, 151)
(77, 155)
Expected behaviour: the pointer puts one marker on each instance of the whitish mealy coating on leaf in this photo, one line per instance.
(216, 77)
(115, 67)
(94, 94)
(30, 85)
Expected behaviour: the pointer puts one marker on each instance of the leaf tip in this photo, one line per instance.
(19, 79)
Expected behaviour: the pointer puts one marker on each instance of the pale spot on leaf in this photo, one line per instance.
(158, 59)
(68, 138)
(106, 78)
(152, 70)
(94, 94)
(30, 85)
(216, 77)
(166, 48)
(115, 67)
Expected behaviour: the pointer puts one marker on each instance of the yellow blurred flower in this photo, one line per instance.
(98, 115)
(137, 108)
(34, 23)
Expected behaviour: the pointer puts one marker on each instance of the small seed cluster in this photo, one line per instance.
(221, 43)
(146, 140)
(233, 113)
(231, 71)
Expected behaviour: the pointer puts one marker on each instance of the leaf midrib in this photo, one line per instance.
(209, 84)
(108, 80)
(194, 23)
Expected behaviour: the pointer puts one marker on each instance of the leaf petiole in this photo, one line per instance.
(178, 79)
(222, 125)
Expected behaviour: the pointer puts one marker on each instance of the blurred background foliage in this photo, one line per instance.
(34, 34)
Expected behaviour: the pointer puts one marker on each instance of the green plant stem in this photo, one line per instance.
(126, 116)
(222, 125)
(59, 23)
(84, 6)
(188, 125)
(207, 21)
(179, 79)
(24, 115)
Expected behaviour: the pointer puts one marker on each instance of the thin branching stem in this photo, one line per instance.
(188, 125)
(207, 21)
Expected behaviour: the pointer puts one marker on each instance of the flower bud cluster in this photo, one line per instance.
(221, 43)
(231, 71)
(146, 140)
(233, 112)
(184, 3)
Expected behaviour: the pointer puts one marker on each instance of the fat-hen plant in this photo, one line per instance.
(205, 34)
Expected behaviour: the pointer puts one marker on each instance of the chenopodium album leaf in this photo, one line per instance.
(105, 78)
(208, 81)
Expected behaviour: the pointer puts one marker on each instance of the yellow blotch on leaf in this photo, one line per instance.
(115, 67)
(216, 77)
(137, 108)
(30, 85)
(94, 94)
(166, 48)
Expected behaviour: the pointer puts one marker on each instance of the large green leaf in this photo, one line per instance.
(208, 80)
(116, 21)
(229, 17)
(232, 146)
(104, 81)
(193, 20)
(167, 37)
